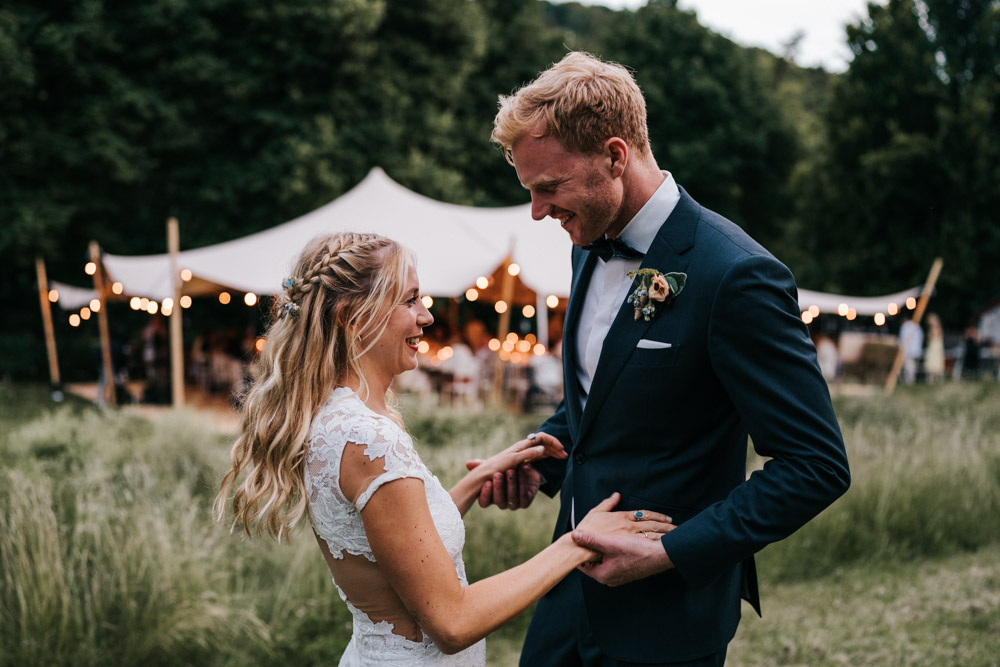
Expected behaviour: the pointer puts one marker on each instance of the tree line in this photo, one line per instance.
(236, 116)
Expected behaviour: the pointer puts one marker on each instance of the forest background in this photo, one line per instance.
(235, 117)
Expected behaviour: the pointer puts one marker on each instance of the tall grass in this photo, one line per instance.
(109, 554)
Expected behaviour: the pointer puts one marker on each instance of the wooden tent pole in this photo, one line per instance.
(918, 314)
(102, 320)
(50, 336)
(176, 317)
(507, 296)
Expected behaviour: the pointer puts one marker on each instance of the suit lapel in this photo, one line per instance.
(666, 254)
(583, 269)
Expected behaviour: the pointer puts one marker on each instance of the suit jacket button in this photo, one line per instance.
(580, 458)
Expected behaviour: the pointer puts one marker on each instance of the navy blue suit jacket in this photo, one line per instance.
(668, 429)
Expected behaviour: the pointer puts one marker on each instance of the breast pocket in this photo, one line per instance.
(649, 358)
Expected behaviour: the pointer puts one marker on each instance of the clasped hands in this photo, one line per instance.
(626, 545)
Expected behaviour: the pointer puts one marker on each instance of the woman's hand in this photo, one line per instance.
(507, 475)
(640, 523)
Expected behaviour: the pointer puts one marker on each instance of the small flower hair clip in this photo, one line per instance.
(289, 282)
(291, 309)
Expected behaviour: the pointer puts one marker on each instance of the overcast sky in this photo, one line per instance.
(772, 23)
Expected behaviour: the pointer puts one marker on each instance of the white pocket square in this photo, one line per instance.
(646, 344)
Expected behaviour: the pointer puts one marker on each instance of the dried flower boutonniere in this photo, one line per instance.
(653, 287)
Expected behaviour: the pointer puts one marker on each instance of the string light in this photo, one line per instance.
(224, 298)
(531, 338)
(911, 302)
(508, 346)
(53, 295)
(259, 344)
(552, 301)
(539, 349)
(511, 336)
(807, 317)
(514, 269)
(814, 310)
(423, 347)
(494, 344)
(500, 307)
(428, 301)
(143, 303)
(445, 353)
(85, 313)
(879, 319)
(168, 304)
(893, 309)
(95, 305)
(851, 314)
(523, 346)
(117, 287)
(482, 282)
(842, 310)
(186, 274)
(135, 303)
(250, 299)
(471, 294)
(528, 311)
(74, 320)
(90, 268)
(152, 308)
(185, 301)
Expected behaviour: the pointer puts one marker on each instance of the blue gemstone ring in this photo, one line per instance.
(638, 515)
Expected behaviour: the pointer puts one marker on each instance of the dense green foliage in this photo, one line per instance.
(109, 554)
(235, 117)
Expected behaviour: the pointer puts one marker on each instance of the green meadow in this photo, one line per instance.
(109, 554)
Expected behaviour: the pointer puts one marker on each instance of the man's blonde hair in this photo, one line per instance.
(582, 101)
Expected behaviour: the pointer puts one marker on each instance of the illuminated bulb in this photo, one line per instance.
(85, 313)
(259, 344)
(224, 298)
(168, 304)
(552, 301)
(911, 302)
(134, 303)
(185, 301)
(423, 347)
(528, 311)
(90, 269)
(445, 353)
(74, 320)
(807, 317)
(428, 301)
(482, 282)
(851, 313)
(523, 346)
(508, 346)
(531, 338)
(471, 294)
(511, 336)
(494, 344)
(516, 357)
(95, 305)
(500, 307)
(893, 309)
(539, 349)
(117, 288)
(504, 355)
(879, 319)
(250, 299)
(814, 310)
(152, 308)
(143, 303)
(186, 274)
(513, 269)
(167, 312)
(53, 295)
(842, 309)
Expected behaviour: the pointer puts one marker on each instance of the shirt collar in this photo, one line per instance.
(641, 229)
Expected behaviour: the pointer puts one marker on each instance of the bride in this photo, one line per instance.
(319, 436)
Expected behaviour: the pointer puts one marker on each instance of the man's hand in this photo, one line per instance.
(625, 558)
(513, 489)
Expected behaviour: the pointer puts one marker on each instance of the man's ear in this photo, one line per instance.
(616, 151)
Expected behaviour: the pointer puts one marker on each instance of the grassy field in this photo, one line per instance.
(109, 556)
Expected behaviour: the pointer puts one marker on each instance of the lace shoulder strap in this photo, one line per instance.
(382, 438)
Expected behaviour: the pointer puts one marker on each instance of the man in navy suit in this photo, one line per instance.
(663, 386)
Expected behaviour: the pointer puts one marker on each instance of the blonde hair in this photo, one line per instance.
(582, 101)
(343, 287)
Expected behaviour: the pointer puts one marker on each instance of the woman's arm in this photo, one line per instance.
(409, 551)
(538, 446)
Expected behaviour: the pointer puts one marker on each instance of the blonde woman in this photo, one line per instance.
(319, 436)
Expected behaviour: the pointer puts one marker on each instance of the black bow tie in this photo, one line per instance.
(607, 248)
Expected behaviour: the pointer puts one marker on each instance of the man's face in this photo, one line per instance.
(575, 188)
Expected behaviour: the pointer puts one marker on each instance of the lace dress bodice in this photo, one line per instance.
(345, 418)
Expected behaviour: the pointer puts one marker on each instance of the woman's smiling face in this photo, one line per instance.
(395, 351)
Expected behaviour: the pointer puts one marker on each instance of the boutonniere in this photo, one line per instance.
(652, 288)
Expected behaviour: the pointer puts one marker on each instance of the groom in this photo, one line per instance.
(661, 390)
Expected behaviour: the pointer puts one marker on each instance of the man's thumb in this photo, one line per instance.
(585, 538)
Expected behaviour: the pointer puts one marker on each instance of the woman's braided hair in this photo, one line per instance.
(332, 309)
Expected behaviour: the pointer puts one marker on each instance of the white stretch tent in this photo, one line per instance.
(454, 245)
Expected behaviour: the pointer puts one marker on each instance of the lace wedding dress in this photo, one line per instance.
(345, 418)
